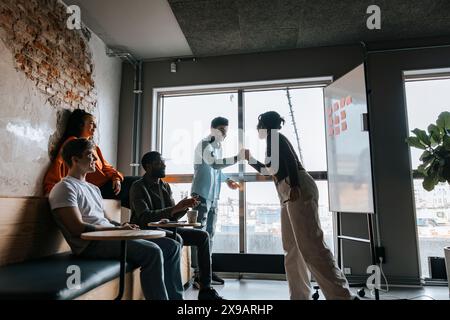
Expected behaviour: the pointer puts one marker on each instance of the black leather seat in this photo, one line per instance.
(46, 278)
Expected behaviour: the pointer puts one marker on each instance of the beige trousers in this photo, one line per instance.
(305, 250)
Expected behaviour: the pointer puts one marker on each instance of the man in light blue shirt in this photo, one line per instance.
(208, 176)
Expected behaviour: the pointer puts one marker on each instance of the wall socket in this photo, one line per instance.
(347, 270)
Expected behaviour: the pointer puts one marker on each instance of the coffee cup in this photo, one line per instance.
(192, 216)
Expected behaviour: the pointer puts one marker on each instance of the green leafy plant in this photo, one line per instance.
(435, 159)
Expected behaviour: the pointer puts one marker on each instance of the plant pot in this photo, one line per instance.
(447, 263)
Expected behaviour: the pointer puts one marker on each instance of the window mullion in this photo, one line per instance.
(242, 207)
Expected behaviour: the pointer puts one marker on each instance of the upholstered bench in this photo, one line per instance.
(47, 278)
(35, 258)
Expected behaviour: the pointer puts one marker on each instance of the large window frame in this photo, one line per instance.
(241, 176)
(413, 76)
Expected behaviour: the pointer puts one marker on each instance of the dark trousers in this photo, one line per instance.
(159, 260)
(124, 195)
(208, 219)
(199, 240)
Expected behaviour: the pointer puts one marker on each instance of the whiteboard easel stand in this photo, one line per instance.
(370, 241)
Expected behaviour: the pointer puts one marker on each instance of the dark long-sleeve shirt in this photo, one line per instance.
(288, 161)
(151, 202)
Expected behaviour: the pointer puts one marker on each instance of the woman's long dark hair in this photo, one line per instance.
(270, 120)
(74, 126)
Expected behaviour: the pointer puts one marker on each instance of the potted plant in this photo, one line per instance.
(435, 158)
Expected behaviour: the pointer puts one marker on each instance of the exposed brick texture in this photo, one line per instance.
(57, 59)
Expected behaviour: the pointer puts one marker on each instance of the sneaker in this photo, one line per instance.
(196, 282)
(209, 294)
(215, 279)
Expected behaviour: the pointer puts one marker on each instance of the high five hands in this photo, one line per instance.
(245, 154)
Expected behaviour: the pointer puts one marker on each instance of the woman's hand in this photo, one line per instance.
(116, 186)
(233, 185)
(244, 154)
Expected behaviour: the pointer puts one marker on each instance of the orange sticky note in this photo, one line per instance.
(330, 120)
(348, 101)
(336, 120)
(331, 131)
(329, 111)
(343, 115)
(344, 126)
(342, 103)
(337, 131)
(336, 106)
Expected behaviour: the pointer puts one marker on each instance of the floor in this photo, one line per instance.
(249, 289)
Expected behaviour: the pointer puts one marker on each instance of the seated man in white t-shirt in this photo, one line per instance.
(77, 207)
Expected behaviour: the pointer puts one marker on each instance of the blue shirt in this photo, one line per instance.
(208, 165)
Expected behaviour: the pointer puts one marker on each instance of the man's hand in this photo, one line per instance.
(233, 185)
(186, 203)
(128, 226)
(116, 186)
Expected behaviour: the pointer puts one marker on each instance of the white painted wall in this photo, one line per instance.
(107, 77)
(27, 121)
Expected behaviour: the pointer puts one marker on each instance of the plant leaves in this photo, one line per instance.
(432, 178)
(446, 142)
(415, 142)
(423, 136)
(429, 183)
(426, 156)
(422, 169)
(443, 121)
(435, 134)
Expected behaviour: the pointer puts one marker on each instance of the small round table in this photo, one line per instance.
(174, 226)
(123, 236)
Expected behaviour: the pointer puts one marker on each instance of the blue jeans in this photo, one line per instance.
(159, 260)
(208, 219)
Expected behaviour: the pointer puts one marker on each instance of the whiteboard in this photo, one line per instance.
(348, 145)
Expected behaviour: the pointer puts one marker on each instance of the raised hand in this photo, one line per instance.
(233, 185)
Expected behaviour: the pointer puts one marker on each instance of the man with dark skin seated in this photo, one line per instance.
(151, 201)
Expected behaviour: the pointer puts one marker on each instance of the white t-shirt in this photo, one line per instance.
(72, 192)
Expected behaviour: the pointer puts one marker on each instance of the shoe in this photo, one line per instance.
(215, 279)
(209, 294)
(196, 282)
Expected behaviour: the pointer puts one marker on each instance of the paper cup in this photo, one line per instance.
(192, 216)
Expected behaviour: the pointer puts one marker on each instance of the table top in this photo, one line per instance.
(173, 224)
(123, 235)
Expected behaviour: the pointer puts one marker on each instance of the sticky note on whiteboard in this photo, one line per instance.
(337, 131)
(348, 100)
(330, 120)
(336, 120)
(331, 131)
(344, 126)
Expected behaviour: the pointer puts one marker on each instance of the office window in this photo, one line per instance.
(185, 120)
(263, 207)
(426, 99)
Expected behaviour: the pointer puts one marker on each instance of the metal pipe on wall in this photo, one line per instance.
(136, 137)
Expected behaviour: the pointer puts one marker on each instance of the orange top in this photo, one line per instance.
(103, 171)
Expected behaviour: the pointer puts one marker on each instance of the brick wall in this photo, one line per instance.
(56, 59)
